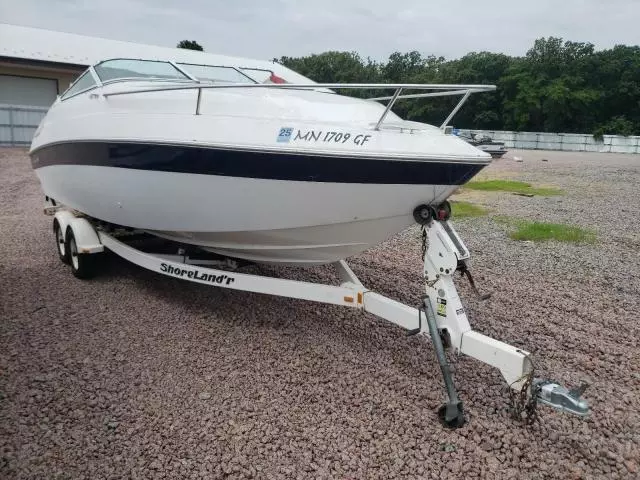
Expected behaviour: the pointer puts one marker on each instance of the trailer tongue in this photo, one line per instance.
(441, 316)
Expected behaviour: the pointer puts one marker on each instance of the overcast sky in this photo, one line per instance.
(271, 28)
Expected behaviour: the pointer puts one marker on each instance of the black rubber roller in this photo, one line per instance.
(423, 214)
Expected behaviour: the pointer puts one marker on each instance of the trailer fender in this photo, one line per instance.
(86, 237)
(63, 218)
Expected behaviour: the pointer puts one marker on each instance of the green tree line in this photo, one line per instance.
(558, 86)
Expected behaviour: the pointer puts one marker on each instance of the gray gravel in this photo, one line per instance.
(136, 375)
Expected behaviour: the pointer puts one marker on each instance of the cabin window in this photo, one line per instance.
(210, 73)
(83, 83)
(133, 69)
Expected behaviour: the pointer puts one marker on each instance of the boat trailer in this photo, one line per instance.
(81, 240)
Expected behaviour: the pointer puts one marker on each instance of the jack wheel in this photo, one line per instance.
(60, 243)
(83, 265)
(451, 415)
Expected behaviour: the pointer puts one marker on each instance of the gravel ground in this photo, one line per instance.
(137, 375)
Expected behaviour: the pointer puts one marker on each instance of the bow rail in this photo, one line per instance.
(439, 90)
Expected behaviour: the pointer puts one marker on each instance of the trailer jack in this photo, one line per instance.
(444, 255)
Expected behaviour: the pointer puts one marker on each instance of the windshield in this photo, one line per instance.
(148, 69)
(82, 84)
(210, 73)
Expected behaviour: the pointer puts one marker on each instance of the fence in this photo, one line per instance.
(572, 142)
(18, 124)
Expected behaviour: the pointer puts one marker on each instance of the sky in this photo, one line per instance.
(267, 29)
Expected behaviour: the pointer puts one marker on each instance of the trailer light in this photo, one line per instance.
(443, 212)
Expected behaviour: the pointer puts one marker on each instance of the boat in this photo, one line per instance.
(244, 163)
(256, 168)
(485, 143)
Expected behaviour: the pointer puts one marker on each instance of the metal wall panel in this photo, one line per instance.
(571, 142)
(18, 124)
(27, 91)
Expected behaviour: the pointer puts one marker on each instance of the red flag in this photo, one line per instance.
(276, 79)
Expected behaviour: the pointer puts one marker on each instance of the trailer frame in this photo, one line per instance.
(446, 321)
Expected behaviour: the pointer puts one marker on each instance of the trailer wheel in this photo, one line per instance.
(83, 265)
(61, 246)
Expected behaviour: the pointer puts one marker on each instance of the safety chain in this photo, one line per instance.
(424, 241)
(524, 404)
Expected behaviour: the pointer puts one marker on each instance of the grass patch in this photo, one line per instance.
(541, 232)
(466, 209)
(512, 186)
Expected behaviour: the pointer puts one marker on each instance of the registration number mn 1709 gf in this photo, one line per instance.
(288, 134)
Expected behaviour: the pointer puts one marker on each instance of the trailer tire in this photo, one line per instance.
(83, 265)
(61, 245)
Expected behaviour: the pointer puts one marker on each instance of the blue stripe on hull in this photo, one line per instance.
(255, 164)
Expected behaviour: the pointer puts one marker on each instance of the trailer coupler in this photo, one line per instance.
(558, 397)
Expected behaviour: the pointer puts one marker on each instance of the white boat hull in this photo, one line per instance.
(301, 223)
(291, 177)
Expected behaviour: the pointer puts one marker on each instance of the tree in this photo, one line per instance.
(558, 86)
(405, 66)
(483, 111)
(333, 67)
(336, 67)
(552, 89)
(617, 72)
(190, 45)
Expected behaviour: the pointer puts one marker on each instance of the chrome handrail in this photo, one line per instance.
(441, 91)
(386, 110)
(368, 86)
(446, 93)
(456, 108)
